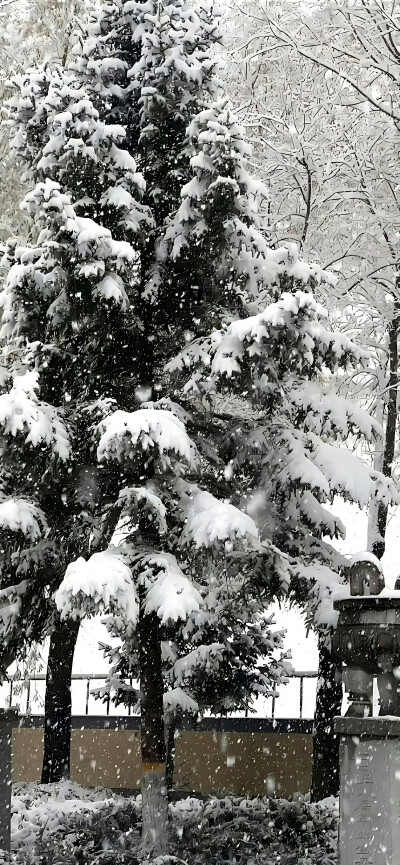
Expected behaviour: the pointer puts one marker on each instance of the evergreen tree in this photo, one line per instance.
(57, 133)
(66, 320)
(278, 439)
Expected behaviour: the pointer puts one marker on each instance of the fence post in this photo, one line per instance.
(301, 695)
(87, 696)
(8, 719)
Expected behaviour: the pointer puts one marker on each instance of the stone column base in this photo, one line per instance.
(369, 832)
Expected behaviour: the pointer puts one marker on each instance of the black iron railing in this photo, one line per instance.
(19, 691)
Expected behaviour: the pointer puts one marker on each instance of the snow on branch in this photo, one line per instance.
(204, 657)
(20, 515)
(319, 517)
(170, 593)
(292, 324)
(130, 497)
(351, 477)
(293, 317)
(102, 583)
(122, 433)
(294, 462)
(325, 413)
(10, 606)
(111, 287)
(177, 700)
(211, 522)
(327, 586)
(22, 411)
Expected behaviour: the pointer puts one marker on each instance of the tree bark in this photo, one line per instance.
(57, 710)
(372, 532)
(325, 769)
(170, 757)
(378, 547)
(153, 750)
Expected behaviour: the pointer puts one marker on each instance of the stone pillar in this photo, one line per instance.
(369, 791)
(8, 720)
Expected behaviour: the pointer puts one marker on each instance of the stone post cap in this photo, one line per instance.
(366, 575)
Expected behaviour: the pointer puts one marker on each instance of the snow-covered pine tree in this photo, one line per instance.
(270, 388)
(163, 269)
(70, 293)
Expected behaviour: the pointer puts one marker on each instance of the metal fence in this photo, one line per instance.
(301, 675)
(295, 700)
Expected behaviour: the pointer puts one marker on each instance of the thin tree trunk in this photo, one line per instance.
(372, 531)
(378, 547)
(325, 769)
(57, 710)
(153, 751)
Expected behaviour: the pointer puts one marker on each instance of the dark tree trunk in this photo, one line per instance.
(170, 757)
(325, 769)
(153, 750)
(378, 547)
(57, 709)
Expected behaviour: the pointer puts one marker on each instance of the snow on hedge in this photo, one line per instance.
(39, 810)
(65, 822)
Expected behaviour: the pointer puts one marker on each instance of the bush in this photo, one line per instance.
(259, 832)
(100, 829)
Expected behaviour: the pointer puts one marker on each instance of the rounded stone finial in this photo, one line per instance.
(366, 575)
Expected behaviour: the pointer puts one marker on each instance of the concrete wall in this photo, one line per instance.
(207, 761)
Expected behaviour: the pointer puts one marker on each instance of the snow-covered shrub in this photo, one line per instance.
(43, 811)
(73, 826)
(262, 831)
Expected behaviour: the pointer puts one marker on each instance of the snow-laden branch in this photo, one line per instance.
(151, 430)
(103, 583)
